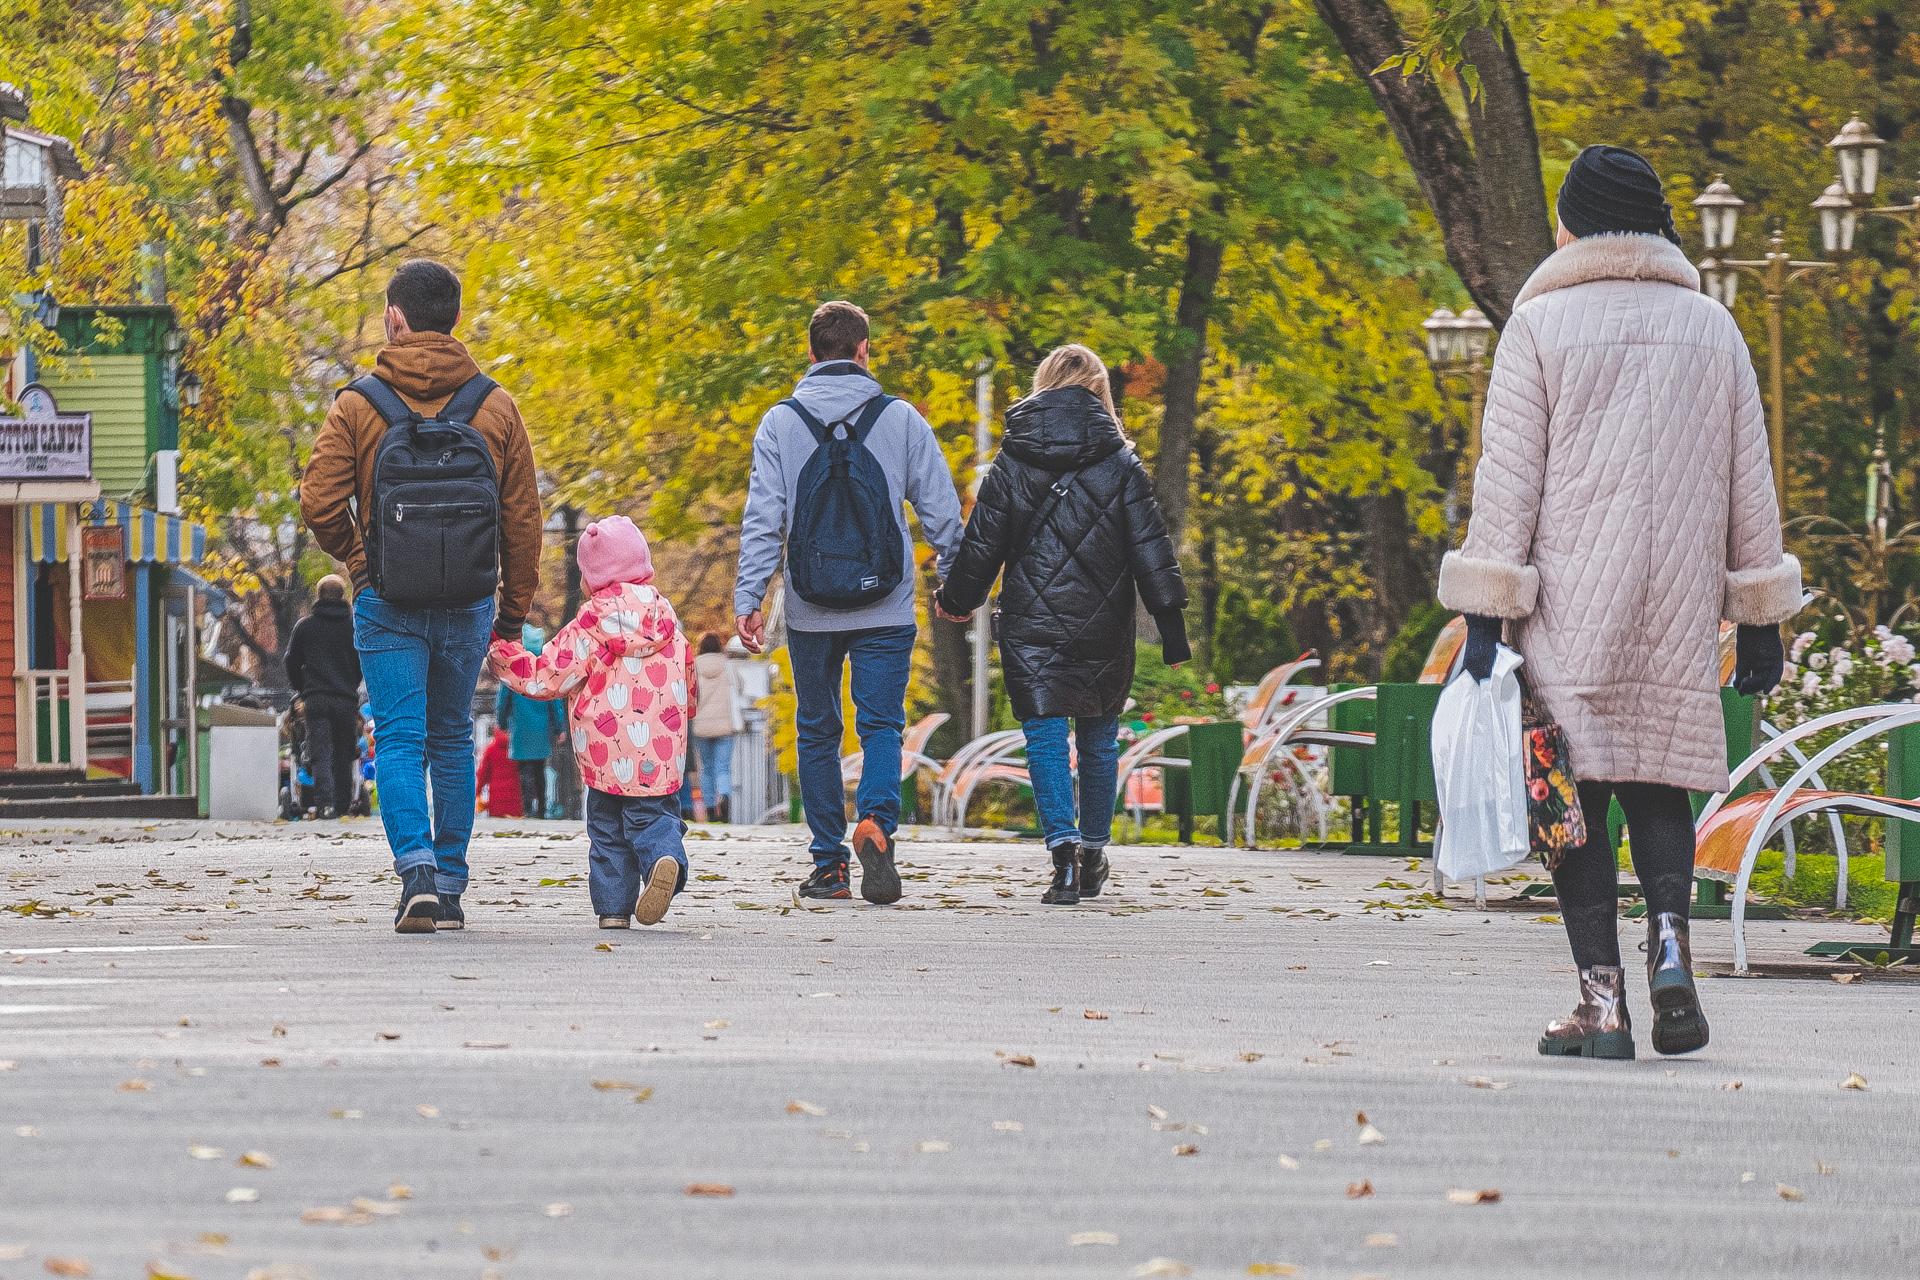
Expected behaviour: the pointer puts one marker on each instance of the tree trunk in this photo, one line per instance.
(1180, 397)
(1491, 207)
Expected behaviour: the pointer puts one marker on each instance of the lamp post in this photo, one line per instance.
(1777, 271)
(1457, 347)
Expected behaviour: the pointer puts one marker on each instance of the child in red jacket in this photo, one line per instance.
(497, 783)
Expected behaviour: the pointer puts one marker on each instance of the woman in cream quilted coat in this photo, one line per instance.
(1623, 506)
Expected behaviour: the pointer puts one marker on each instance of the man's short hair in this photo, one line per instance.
(836, 331)
(331, 587)
(428, 295)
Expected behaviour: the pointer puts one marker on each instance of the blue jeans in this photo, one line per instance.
(716, 769)
(881, 659)
(1099, 743)
(421, 666)
(626, 835)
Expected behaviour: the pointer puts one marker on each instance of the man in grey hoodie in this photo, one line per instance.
(877, 639)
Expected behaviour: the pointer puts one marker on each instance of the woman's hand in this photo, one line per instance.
(941, 611)
(1483, 643)
(1758, 659)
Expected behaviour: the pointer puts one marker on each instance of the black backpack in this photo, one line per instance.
(843, 544)
(433, 536)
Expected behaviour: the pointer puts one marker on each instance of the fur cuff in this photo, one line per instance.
(1763, 597)
(1490, 587)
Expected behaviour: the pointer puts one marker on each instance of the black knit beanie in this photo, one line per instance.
(1614, 189)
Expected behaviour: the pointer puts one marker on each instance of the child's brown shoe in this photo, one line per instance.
(661, 882)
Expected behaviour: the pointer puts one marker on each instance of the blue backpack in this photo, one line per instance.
(843, 544)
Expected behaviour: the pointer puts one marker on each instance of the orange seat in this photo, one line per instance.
(1722, 840)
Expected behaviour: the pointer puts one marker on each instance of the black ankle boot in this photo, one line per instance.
(1678, 1024)
(1093, 872)
(1065, 889)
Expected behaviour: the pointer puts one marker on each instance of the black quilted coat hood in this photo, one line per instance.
(1072, 564)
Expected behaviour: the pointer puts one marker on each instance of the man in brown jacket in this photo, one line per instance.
(421, 663)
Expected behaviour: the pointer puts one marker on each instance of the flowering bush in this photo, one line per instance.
(1853, 671)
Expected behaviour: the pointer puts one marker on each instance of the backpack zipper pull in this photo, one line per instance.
(399, 512)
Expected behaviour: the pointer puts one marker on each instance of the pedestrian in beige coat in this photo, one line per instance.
(1623, 506)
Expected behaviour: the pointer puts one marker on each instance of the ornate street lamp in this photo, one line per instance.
(1457, 346)
(1720, 278)
(1858, 149)
(190, 389)
(1838, 219)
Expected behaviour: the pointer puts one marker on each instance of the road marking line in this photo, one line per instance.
(53, 982)
(161, 946)
(45, 1008)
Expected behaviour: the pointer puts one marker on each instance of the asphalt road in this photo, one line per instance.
(216, 1061)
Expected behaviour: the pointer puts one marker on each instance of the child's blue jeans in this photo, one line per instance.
(626, 835)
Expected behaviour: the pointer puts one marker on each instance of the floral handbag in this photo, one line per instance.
(1555, 821)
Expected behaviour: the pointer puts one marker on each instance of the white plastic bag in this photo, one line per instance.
(1480, 773)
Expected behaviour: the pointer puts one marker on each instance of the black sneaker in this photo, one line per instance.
(419, 907)
(1065, 889)
(451, 916)
(879, 878)
(829, 881)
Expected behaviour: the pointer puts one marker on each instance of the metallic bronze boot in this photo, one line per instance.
(1678, 1024)
(1598, 1026)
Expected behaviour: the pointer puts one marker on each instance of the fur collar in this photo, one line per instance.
(1611, 257)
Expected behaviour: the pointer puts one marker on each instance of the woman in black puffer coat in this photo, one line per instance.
(1068, 511)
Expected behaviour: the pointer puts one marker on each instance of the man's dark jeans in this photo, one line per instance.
(333, 750)
(881, 660)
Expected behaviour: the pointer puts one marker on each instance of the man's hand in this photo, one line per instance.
(941, 611)
(752, 629)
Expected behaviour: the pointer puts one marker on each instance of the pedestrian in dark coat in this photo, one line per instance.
(324, 669)
(1067, 511)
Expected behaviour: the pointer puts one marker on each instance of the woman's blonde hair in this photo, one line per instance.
(1076, 366)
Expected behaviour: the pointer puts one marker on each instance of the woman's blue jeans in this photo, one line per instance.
(1052, 776)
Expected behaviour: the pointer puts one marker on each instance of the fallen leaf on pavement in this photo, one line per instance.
(242, 1195)
(558, 1209)
(603, 946)
(68, 1267)
(159, 1271)
(1821, 1166)
(1486, 1195)
(1370, 1136)
(1186, 1149)
(1483, 1082)
(1157, 1113)
(486, 1044)
(1786, 1192)
(933, 1147)
(718, 1024)
(617, 1086)
(1844, 978)
(399, 1190)
(134, 1086)
(1021, 1060)
(374, 1208)
(1093, 1237)
(1008, 1126)
(1359, 1190)
(205, 1153)
(427, 1111)
(1854, 1080)
(1272, 1269)
(716, 1190)
(327, 1213)
(256, 1160)
(799, 1108)
(1288, 1162)
(1733, 1086)
(12, 1252)
(1383, 1240)
(1093, 1015)
(1250, 1056)
(386, 1035)
(1162, 1267)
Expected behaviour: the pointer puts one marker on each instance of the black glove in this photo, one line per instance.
(1483, 638)
(1758, 658)
(1174, 647)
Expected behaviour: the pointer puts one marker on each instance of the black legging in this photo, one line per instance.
(1660, 822)
(533, 787)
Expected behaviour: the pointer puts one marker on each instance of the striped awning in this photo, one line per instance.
(152, 538)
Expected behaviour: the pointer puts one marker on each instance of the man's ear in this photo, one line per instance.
(812, 358)
(862, 352)
(397, 321)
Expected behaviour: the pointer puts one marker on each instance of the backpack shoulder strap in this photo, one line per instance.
(869, 415)
(384, 399)
(466, 402)
(819, 429)
(1036, 520)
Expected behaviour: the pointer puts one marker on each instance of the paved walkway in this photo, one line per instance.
(217, 1062)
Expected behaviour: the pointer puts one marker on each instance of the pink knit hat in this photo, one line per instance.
(613, 551)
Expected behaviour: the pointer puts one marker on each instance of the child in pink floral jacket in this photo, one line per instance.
(623, 663)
